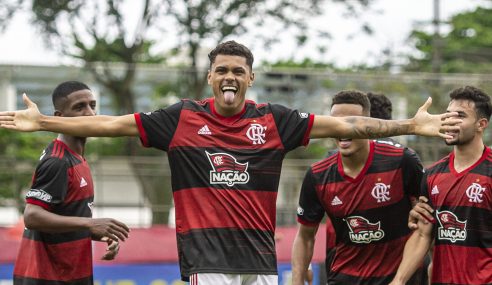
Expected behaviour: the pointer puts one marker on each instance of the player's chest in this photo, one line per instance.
(374, 190)
(80, 181)
(204, 130)
(468, 190)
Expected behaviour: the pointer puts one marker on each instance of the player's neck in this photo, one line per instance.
(353, 164)
(468, 154)
(77, 144)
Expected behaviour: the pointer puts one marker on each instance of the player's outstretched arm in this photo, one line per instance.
(415, 250)
(30, 120)
(422, 123)
(37, 218)
(302, 253)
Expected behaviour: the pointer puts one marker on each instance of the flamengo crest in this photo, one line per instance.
(381, 192)
(227, 170)
(475, 193)
(256, 133)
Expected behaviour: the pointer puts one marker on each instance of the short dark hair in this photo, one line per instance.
(483, 107)
(381, 107)
(232, 48)
(64, 89)
(353, 97)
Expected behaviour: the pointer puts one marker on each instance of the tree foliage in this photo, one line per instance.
(467, 48)
(98, 33)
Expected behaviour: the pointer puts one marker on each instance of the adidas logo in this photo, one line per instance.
(83, 183)
(435, 191)
(204, 131)
(336, 201)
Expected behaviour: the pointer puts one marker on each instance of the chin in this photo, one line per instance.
(452, 142)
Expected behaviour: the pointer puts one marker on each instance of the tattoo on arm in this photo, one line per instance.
(374, 128)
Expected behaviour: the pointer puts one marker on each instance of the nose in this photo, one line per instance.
(229, 76)
(88, 111)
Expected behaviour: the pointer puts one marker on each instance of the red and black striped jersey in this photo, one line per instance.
(369, 212)
(62, 184)
(225, 173)
(463, 213)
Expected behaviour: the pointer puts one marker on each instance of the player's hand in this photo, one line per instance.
(421, 211)
(109, 228)
(309, 277)
(435, 125)
(112, 249)
(27, 120)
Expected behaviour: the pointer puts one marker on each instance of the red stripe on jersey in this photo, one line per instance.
(141, 130)
(249, 133)
(453, 189)
(55, 150)
(38, 203)
(372, 260)
(60, 262)
(78, 191)
(386, 153)
(324, 164)
(455, 264)
(388, 148)
(305, 140)
(359, 193)
(200, 208)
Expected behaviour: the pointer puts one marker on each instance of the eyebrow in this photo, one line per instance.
(461, 113)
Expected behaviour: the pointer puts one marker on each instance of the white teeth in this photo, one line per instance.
(229, 88)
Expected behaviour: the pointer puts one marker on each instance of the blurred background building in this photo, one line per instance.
(136, 61)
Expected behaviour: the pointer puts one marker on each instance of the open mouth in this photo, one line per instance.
(344, 143)
(229, 92)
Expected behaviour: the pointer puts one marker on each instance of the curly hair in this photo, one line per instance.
(483, 107)
(381, 107)
(232, 48)
(64, 89)
(353, 97)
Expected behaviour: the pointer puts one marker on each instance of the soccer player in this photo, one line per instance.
(364, 188)
(225, 155)
(56, 245)
(458, 188)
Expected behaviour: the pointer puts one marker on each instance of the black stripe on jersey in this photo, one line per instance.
(49, 238)
(394, 225)
(482, 168)
(385, 163)
(31, 281)
(325, 163)
(441, 166)
(263, 168)
(478, 228)
(253, 110)
(337, 278)
(227, 250)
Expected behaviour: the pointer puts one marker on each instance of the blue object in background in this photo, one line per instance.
(150, 274)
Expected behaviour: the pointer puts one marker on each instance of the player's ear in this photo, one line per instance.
(483, 124)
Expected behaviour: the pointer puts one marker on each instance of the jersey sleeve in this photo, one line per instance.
(310, 211)
(50, 183)
(294, 127)
(412, 172)
(157, 128)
